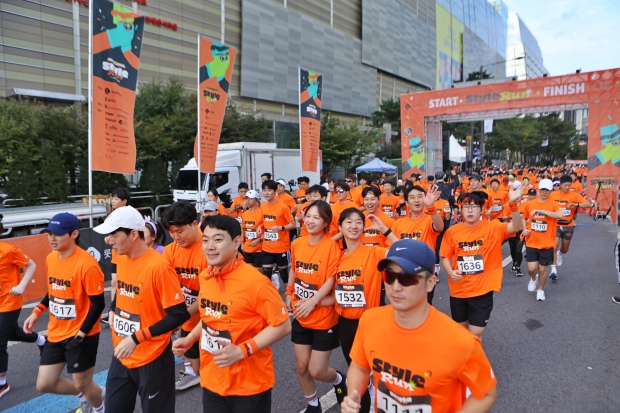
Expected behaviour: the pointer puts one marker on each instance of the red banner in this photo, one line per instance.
(310, 89)
(116, 44)
(215, 67)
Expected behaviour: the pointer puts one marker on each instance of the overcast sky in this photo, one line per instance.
(573, 34)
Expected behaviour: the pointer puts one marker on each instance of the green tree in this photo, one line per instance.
(389, 112)
(245, 127)
(478, 75)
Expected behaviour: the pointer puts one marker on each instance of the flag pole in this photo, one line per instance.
(198, 140)
(90, 114)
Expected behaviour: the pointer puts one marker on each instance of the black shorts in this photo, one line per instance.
(194, 350)
(475, 310)
(281, 259)
(565, 233)
(541, 256)
(320, 340)
(256, 403)
(254, 258)
(78, 356)
(154, 382)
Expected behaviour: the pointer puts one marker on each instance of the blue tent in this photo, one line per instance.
(377, 165)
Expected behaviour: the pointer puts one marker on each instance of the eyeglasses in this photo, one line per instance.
(403, 278)
(470, 207)
(348, 181)
(339, 191)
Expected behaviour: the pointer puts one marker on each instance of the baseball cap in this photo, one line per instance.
(566, 179)
(475, 176)
(531, 192)
(281, 182)
(253, 194)
(63, 223)
(123, 217)
(545, 184)
(411, 255)
(211, 206)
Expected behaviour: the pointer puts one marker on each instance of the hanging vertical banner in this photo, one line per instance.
(215, 67)
(310, 88)
(117, 40)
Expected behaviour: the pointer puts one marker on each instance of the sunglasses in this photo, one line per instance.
(348, 181)
(403, 278)
(339, 191)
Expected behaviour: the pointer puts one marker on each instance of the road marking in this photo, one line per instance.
(508, 259)
(327, 401)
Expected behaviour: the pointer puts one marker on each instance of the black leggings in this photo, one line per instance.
(11, 331)
(516, 249)
(347, 327)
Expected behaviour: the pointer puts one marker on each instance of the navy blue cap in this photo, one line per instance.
(475, 176)
(531, 192)
(411, 255)
(63, 223)
(566, 179)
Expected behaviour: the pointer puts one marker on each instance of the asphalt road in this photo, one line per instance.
(553, 356)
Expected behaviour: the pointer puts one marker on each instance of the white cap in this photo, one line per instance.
(281, 182)
(546, 184)
(516, 185)
(210, 206)
(123, 217)
(252, 194)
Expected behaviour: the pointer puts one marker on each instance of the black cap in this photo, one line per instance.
(531, 192)
(475, 176)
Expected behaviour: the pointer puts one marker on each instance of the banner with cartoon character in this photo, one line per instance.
(310, 88)
(215, 67)
(598, 91)
(116, 44)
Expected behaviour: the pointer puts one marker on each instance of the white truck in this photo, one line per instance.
(241, 162)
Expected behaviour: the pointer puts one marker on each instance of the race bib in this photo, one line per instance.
(350, 296)
(250, 234)
(190, 295)
(496, 208)
(388, 212)
(403, 212)
(566, 212)
(389, 402)
(539, 226)
(239, 220)
(62, 308)
(303, 290)
(213, 340)
(470, 264)
(125, 324)
(271, 236)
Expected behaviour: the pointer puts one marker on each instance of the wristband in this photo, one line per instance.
(249, 348)
(141, 335)
(513, 206)
(430, 210)
(289, 290)
(388, 232)
(39, 309)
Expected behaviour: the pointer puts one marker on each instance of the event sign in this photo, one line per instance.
(310, 88)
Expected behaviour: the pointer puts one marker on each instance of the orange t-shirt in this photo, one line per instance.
(576, 186)
(356, 195)
(453, 361)
(442, 205)
(401, 210)
(187, 263)
(236, 208)
(477, 253)
(11, 260)
(145, 287)
(371, 237)
(303, 231)
(288, 200)
(497, 200)
(69, 283)
(337, 209)
(221, 209)
(239, 309)
(276, 215)
(251, 221)
(358, 281)
(563, 199)
(420, 229)
(313, 265)
(542, 228)
(300, 196)
(388, 204)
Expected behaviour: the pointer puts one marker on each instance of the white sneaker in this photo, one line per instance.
(186, 381)
(559, 255)
(532, 285)
(540, 295)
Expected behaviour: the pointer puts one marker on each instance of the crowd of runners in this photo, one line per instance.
(357, 259)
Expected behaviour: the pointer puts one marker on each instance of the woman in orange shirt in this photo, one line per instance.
(315, 260)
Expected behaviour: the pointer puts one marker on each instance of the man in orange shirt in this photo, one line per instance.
(471, 255)
(149, 305)
(303, 182)
(285, 198)
(314, 193)
(241, 314)
(186, 257)
(539, 233)
(12, 259)
(75, 301)
(453, 361)
(343, 202)
(252, 230)
(498, 199)
(372, 199)
(238, 205)
(389, 202)
(575, 184)
(355, 192)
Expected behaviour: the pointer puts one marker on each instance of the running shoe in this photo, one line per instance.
(614, 299)
(519, 272)
(314, 409)
(85, 407)
(559, 255)
(532, 285)
(5, 389)
(540, 295)
(105, 318)
(553, 275)
(186, 381)
(514, 267)
(341, 389)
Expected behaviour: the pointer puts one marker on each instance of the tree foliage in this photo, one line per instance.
(389, 112)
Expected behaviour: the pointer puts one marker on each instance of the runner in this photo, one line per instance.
(209, 209)
(148, 307)
(371, 236)
(242, 315)
(569, 200)
(309, 297)
(238, 204)
(453, 360)
(265, 177)
(252, 225)
(303, 182)
(389, 202)
(576, 185)
(498, 198)
(471, 255)
(516, 243)
(285, 198)
(343, 202)
(186, 257)
(314, 193)
(75, 300)
(12, 286)
(154, 235)
(358, 282)
(539, 233)
(277, 221)
(355, 192)
(214, 196)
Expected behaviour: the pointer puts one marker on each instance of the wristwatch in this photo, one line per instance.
(79, 338)
(283, 228)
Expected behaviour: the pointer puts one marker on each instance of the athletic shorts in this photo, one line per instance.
(475, 310)
(541, 256)
(194, 350)
(78, 356)
(281, 259)
(257, 403)
(565, 232)
(254, 258)
(320, 340)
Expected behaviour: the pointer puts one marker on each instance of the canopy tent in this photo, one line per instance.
(377, 165)
(457, 153)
